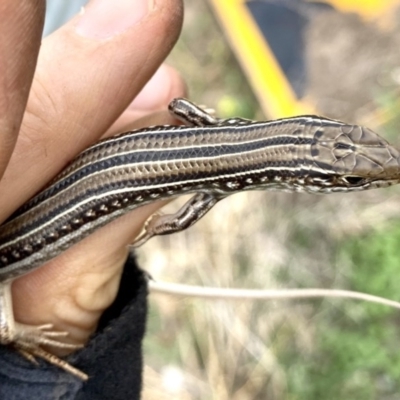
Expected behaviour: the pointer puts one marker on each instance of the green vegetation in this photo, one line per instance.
(287, 349)
(356, 353)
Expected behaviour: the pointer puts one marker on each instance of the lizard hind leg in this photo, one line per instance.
(28, 339)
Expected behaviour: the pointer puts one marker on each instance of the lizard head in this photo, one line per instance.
(351, 158)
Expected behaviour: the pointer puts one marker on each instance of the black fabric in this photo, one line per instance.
(112, 358)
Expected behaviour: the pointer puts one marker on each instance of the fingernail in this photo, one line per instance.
(102, 19)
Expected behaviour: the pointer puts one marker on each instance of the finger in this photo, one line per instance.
(101, 64)
(20, 33)
(169, 84)
(74, 289)
(83, 281)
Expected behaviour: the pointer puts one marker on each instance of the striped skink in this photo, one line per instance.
(209, 157)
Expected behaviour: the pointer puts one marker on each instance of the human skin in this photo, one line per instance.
(89, 82)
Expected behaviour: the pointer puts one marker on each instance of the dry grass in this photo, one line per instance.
(197, 349)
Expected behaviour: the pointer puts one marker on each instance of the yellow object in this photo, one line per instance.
(270, 84)
(275, 94)
(368, 9)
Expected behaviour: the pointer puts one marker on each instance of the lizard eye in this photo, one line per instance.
(353, 180)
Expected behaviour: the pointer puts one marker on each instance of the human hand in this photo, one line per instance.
(87, 73)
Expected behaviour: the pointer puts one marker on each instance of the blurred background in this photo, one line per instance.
(262, 60)
(339, 60)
